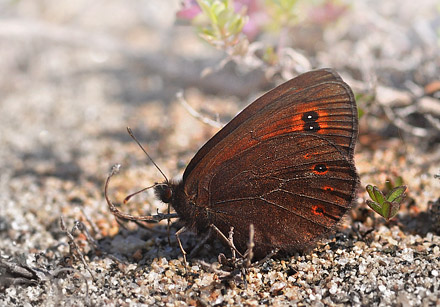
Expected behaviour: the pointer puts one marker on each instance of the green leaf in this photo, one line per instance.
(388, 185)
(373, 205)
(237, 25)
(388, 206)
(207, 33)
(221, 14)
(399, 199)
(394, 209)
(370, 191)
(395, 193)
(205, 6)
(378, 195)
(386, 210)
(398, 181)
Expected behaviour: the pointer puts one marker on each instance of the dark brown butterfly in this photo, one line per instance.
(284, 164)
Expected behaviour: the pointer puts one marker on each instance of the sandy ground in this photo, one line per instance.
(74, 75)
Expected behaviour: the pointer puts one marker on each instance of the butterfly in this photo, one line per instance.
(284, 165)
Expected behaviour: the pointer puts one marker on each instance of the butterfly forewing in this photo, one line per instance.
(300, 84)
(324, 109)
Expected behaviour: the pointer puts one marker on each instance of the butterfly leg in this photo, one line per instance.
(178, 233)
(229, 241)
(201, 243)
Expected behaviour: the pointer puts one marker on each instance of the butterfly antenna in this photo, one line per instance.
(127, 198)
(130, 132)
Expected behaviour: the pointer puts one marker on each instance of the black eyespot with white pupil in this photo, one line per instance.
(320, 168)
(310, 121)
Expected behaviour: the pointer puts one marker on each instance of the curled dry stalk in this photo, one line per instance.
(128, 217)
(74, 248)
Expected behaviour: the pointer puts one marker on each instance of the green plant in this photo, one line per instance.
(232, 24)
(386, 205)
(221, 25)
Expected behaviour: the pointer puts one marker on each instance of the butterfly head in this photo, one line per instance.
(164, 191)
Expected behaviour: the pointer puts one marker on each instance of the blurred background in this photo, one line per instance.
(74, 74)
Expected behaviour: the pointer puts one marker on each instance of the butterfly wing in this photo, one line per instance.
(258, 168)
(293, 188)
(298, 93)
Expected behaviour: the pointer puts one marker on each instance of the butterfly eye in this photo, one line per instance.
(168, 194)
